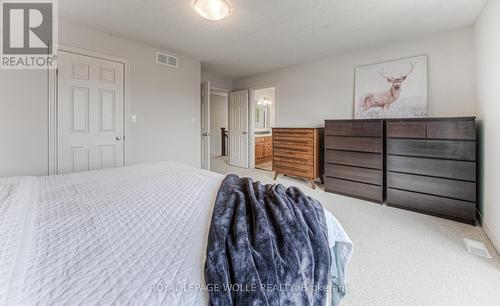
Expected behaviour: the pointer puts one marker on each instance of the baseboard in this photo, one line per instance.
(494, 240)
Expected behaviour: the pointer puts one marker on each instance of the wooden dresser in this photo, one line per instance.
(263, 149)
(354, 158)
(431, 166)
(298, 152)
(427, 165)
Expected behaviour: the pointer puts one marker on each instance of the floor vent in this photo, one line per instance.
(477, 248)
(167, 59)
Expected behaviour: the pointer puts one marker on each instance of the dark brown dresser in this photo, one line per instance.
(431, 166)
(298, 152)
(354, 158)
(427, 165)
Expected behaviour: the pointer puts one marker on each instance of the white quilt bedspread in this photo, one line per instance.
(126, 236)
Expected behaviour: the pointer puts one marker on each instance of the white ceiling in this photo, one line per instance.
(263, 35)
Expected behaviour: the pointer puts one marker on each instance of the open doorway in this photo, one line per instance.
(263, 118)
(214, 125)
(241, 127)
(219, 99)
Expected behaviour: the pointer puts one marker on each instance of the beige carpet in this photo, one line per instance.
(401, 257)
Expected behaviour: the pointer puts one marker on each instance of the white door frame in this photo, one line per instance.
(251, 119)
(215, 91)
(206, 92)
(52, 104)
(213, 88)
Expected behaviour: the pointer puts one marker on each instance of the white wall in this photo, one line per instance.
(165, 100)
(311, 92)
(488, 67)
(218, 118)
(23, 122)
(216, 80)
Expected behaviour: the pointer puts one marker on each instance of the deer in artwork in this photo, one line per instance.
(384, 99)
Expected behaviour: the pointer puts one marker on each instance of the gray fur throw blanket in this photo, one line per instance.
(267, 245)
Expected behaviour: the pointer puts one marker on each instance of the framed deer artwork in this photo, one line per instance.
(394, 89)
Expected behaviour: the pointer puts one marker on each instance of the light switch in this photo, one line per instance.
(133, 118)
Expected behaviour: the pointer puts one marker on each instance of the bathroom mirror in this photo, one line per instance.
(261, 117)
(262, 113)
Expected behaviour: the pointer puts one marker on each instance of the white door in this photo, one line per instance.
(205, 125)
(238, 129)
(90, 108)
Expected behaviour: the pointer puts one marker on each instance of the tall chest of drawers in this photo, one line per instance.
(431, 166)
(427, 165)
(298, 152)
(354, 158)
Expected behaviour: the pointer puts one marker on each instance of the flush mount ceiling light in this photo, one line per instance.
(212, 9)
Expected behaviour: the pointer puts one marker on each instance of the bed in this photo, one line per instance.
(135, 235)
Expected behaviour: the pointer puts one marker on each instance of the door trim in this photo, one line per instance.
(52, 104)
(205, 115)
(219, 89)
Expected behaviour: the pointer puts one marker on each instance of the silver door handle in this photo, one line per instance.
(204, 134)
(118, 138)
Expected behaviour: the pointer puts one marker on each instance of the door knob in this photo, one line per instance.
(118, 138)
(204, 134)
(244, 133)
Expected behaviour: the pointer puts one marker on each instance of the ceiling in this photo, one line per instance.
(263, 35)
